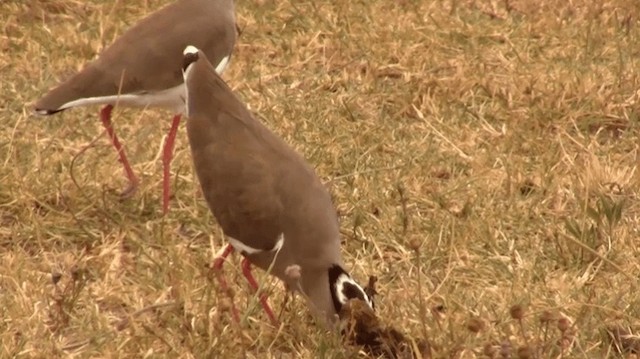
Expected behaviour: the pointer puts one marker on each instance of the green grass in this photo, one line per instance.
(482, 155)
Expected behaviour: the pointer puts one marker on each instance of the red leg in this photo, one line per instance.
(217, 267)
(166, 162)
(219, 261)
(246, 270)
(105, 116)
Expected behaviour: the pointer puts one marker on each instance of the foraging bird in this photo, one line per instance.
(142, 69)
(272, 207)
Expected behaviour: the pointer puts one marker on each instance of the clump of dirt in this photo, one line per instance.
(363, 328)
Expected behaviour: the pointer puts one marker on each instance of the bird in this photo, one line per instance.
(271, 205)
(142, 69)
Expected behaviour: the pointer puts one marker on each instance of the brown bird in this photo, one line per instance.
(142, 69)
(271, 205)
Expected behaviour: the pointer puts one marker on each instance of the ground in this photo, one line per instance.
(482, 157)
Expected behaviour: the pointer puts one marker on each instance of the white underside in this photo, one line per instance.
(172, 99)
(243, 248)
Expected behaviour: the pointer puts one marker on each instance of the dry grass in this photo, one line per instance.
(482, 156)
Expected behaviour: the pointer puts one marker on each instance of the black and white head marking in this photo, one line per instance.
(343, 288)
(190, 56)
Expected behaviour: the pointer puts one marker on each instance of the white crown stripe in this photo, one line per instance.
(344, 279)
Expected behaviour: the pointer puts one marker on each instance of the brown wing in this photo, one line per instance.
(148, 56)
(237, 179)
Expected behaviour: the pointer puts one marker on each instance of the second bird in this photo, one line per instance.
(142, 68)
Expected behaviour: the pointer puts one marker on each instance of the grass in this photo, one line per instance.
(482, 156)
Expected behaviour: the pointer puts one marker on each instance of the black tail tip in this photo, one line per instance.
(44, 112)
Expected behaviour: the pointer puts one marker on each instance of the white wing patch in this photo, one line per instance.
(243, 248)
(222, 65)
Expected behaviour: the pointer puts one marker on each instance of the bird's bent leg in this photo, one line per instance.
(246, 270)
(217, 268)
(105, 117)
(167, 155)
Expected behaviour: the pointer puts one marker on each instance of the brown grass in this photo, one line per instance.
(482, 155)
